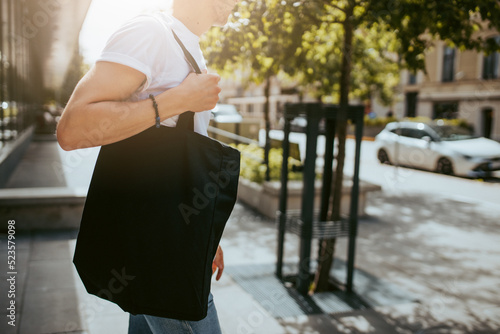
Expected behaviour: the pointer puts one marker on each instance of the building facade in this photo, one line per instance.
(458, 84)
(37, 41)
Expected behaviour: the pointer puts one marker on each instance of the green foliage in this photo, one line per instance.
(418, 23)
(378, 121)
(302, 41)
(382, 121)
(255, 43)
(455, 122)
(375, 66)
(254, 170)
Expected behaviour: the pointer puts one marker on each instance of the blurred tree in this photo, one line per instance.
(318, 61)
(259, 39)
(267, 37)
(341, 57)
(418, 24)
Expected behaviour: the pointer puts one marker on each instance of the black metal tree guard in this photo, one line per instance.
(304, 223)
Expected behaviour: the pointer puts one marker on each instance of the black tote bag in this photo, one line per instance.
(155, 212)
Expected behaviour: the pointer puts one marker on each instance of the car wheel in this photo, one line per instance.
(444, 166)
(383, 157)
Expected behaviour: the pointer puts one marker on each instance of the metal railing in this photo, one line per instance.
(237, 138)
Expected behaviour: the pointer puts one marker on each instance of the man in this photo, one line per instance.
(111, 102)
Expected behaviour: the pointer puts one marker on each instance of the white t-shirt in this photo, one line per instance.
(146, 43)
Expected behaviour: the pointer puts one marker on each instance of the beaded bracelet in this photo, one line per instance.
(155, 105)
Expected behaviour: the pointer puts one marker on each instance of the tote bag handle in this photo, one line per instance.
(188, 55)
(186, 119)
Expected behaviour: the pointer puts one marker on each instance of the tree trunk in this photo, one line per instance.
(327, 246)
(267, 145)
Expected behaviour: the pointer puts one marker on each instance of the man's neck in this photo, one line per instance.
(190, 16)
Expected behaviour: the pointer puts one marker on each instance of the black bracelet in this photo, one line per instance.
(155, 105)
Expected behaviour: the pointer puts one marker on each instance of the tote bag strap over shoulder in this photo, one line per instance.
(188, 55)
(186, 120)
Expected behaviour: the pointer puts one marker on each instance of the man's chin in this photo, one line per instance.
(223, 12)
(220, 24)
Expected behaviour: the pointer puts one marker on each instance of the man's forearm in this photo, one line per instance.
(101, 123)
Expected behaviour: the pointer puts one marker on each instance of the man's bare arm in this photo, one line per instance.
(99, 113)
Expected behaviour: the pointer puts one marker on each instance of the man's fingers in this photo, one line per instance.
(218, 262)
(219, 268)
(219, 273)
(217, 77)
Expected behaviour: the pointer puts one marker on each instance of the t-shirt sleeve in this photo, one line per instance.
(136, 44)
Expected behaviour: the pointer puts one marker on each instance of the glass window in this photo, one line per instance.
(412, 78)
(419, 134)
(491, 62)
(452, 132)
(406, 132)
(448, 64)
(446, 110)
(411, 104)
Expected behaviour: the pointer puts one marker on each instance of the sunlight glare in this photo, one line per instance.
(105, 16)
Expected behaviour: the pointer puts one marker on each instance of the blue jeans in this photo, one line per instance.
(148, 324)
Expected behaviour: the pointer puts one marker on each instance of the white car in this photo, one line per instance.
(437, 147)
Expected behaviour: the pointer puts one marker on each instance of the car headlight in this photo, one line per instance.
(474, 159)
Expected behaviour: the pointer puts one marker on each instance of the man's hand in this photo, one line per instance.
(201, 91)
(218, 263)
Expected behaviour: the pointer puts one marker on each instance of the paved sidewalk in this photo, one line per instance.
(426, 264)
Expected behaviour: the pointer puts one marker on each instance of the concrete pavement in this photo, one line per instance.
(426, 264)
